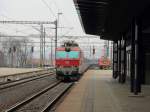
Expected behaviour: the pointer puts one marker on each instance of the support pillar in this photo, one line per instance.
(123, 60)
(56, 26)
(119, 60)
(41, 46)
(135, 57)
(115, 59)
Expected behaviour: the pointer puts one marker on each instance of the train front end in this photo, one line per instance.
(67, 63)
(104, 63)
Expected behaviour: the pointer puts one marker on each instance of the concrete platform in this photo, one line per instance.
(98, 92)
(16, 73)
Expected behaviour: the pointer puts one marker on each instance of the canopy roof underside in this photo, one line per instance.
(111, 18)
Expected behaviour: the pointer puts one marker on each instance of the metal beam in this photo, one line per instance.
(47, 36)
(26, 22)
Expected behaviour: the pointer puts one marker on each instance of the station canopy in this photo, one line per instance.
(110, 18)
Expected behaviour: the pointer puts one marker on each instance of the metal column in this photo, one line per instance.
(51, 51)
(44, 58)
(115, 59)
(55, 39)
(135, 65)
(123, 60)
(41, 46)
(119, 60)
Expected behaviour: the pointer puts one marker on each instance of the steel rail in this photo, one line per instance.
(54, 101)
(35, 75)
(15, 74)
(47, 106)
(21, 81)
(28, 99)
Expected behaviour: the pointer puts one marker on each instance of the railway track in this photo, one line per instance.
(43, 100)
(15, 92)
(19, 76)
(25, 80)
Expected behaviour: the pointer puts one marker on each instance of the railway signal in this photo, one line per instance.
(9, 51)
(93, 50)
(32, 49)
(14, 48)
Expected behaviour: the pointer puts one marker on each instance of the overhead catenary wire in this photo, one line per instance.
(22, 31)
(46, 4)
(59, 10)
(52, 10)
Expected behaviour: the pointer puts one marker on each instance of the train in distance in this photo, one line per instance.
(69, 61)
(104, 62)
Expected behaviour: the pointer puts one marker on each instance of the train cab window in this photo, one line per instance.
(61, 54)
(73, 54)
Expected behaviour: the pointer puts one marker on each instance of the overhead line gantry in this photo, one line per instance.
(42, 31)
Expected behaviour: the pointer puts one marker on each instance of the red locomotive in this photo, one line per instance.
(104, 63)
(69, 61)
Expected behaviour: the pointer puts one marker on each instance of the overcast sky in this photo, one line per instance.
(45, 10)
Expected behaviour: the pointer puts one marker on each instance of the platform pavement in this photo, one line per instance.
(11, 71)
(98, 92)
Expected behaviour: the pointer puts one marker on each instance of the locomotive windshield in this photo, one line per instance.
(64, 54)
(73, 54)
(61, 54)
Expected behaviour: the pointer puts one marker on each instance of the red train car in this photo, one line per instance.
(104, 63)
(69, 62)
